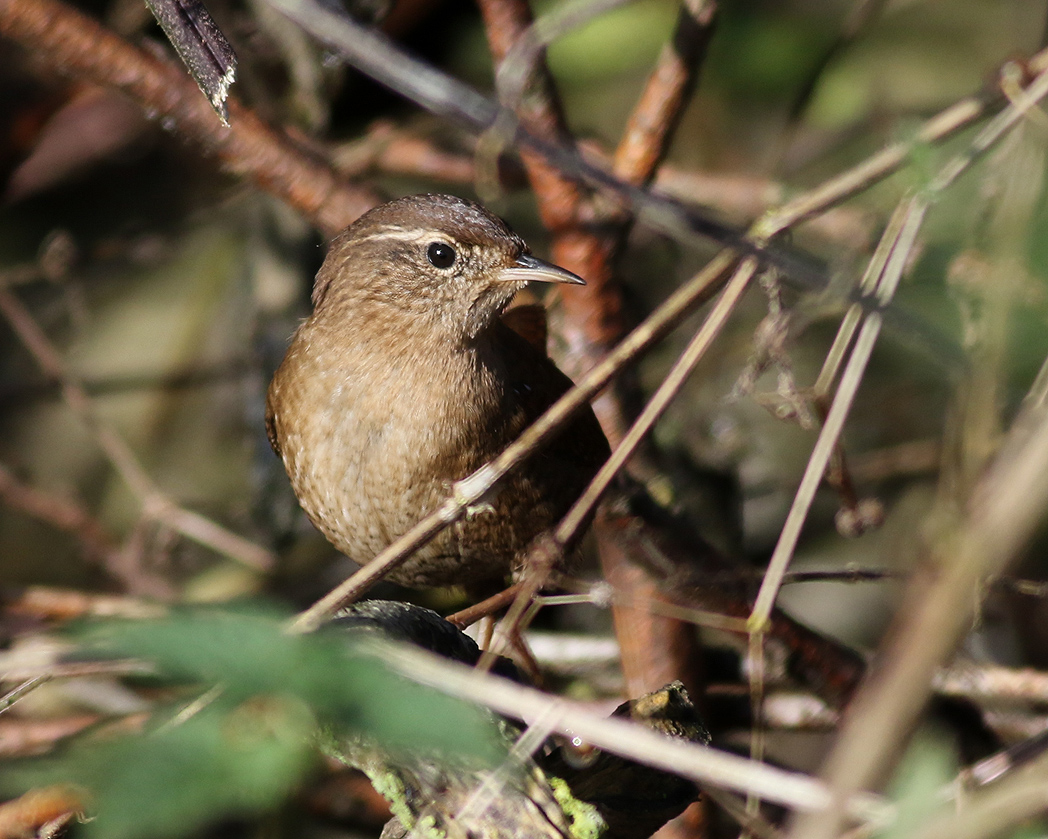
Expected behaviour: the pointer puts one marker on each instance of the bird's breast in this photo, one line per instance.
(372, 443)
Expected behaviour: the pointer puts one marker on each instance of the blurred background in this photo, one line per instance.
(170, 290)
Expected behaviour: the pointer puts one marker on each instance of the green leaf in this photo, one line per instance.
(248, 652)
(169, 782)
(246, 750)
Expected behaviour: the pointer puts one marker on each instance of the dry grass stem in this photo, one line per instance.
(729, 298)
(833, 426)
(16, 693)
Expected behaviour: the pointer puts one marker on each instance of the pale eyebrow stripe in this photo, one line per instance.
(412, 234)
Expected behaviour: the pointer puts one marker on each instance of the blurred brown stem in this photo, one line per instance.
(61, 513)
(593, 313)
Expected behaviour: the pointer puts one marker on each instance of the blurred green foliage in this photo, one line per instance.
(268, 694)
(927, 769)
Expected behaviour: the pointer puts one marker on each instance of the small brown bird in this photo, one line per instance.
(405, 379)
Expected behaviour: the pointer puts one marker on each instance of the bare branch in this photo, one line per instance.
(72, 43)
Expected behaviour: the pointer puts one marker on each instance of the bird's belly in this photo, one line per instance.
(364, 489)
(368, 464)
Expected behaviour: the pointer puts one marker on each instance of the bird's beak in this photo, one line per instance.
(529, 269)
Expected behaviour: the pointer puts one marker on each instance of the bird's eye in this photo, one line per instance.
(441, 255)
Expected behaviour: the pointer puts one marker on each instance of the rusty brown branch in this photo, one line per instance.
(692, 575)
(592, 313)
(656, 649)
(644, 143)
(657, 112)
(65, 40)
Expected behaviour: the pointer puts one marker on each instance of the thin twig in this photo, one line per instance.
(61, 513)
(987, 683)
(469, 490)
(530, 741)
(755, 825)
(604, 593)
(124, 667)
(887, 161)
(389, 149)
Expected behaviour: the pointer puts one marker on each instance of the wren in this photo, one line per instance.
(406, 379)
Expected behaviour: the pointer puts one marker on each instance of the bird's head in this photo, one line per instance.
(436, 256)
